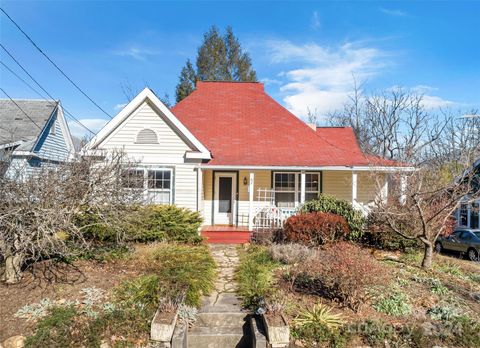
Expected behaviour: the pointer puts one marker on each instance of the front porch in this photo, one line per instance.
(250, 199)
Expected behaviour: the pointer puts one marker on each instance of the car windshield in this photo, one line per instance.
(477, 234)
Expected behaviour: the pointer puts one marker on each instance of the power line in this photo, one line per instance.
(43, 89)
(21, 79)
(18, 106)
(55, 65)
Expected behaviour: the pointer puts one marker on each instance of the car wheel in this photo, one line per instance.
(472, 255)
(438, 247)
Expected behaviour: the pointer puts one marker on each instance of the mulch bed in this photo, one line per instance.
(57, 281)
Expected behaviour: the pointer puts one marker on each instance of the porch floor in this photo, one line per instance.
(226, 234)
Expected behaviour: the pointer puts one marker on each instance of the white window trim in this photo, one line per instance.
(467, 209)
(146, 190)
(297, 189)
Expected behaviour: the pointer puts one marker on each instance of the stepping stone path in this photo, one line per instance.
(221, 322)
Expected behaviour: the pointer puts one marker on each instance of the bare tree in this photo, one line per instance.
(393, 124)
(38, 211)
(440, 144)
(422, 208)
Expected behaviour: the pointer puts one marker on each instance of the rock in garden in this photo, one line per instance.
(428, 328)
(104, 344)
(14, 342)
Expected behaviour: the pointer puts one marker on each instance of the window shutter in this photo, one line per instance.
(147, 136)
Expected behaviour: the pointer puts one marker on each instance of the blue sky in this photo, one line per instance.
(305, 52)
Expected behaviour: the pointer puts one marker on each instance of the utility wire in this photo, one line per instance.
(55, 65)
(43, 89)
(21, 79)
(18, 106)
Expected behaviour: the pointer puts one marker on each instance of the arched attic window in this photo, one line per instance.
(146, 136)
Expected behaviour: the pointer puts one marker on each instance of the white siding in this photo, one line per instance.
(170, 148)
(169, 152)
(186, 186)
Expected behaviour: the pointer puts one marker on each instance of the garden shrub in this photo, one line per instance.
(55, 329)
(95, 228)
(290, 254)
(165, 222)
(320, 336)
(143, 291)
(377, 236)
(381, 334)
(342, 271)
(184, 269)
(128, 317)
(143, 223)
(255, 275)
(466, 332)
(330, 204)
(315, 228)
(396, 303)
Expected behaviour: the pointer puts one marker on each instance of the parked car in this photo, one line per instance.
(463, 240)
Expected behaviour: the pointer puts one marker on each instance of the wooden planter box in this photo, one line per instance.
(278, 332)
(163, 325)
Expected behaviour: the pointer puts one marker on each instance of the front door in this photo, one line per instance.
(224, 202)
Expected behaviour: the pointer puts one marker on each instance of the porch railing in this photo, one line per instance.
(267, 215)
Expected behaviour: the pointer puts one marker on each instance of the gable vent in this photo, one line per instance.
(147, 136)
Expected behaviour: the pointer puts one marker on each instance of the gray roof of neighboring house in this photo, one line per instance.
(16, 127)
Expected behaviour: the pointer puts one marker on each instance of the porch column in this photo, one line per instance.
(199, 190)
(403, 189)
(354, 186)
(384, 191)
(251, 186)
(302, 187)
(469, 215)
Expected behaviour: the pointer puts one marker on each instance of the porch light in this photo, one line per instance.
(245, 181)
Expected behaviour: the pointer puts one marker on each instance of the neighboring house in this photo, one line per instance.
(234, 154)
(467, 214)
(33, 134)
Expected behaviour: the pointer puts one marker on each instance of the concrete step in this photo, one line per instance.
(219, 337)
(225, 319)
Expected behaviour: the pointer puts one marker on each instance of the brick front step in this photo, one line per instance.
(227, 237)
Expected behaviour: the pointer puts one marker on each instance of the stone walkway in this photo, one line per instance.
(223, 297)
(221, 320)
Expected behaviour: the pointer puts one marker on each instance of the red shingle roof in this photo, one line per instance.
(241, 125)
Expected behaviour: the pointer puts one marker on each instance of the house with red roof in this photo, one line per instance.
(231, 152)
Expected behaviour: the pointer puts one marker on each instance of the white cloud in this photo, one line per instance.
(315, 21)
(393, 12)
(429, 101)
(422, 89)
(434, 102)
(120, 106)
(269, 81)
(324, 79)
(136, 53)
(94, 124)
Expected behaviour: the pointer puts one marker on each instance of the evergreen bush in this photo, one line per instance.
(331, 204)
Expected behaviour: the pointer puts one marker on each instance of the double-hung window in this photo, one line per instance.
(474, 217)
(159, 186)
(156, 183)
(312, 186)
(287, 186)
(463, 215)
